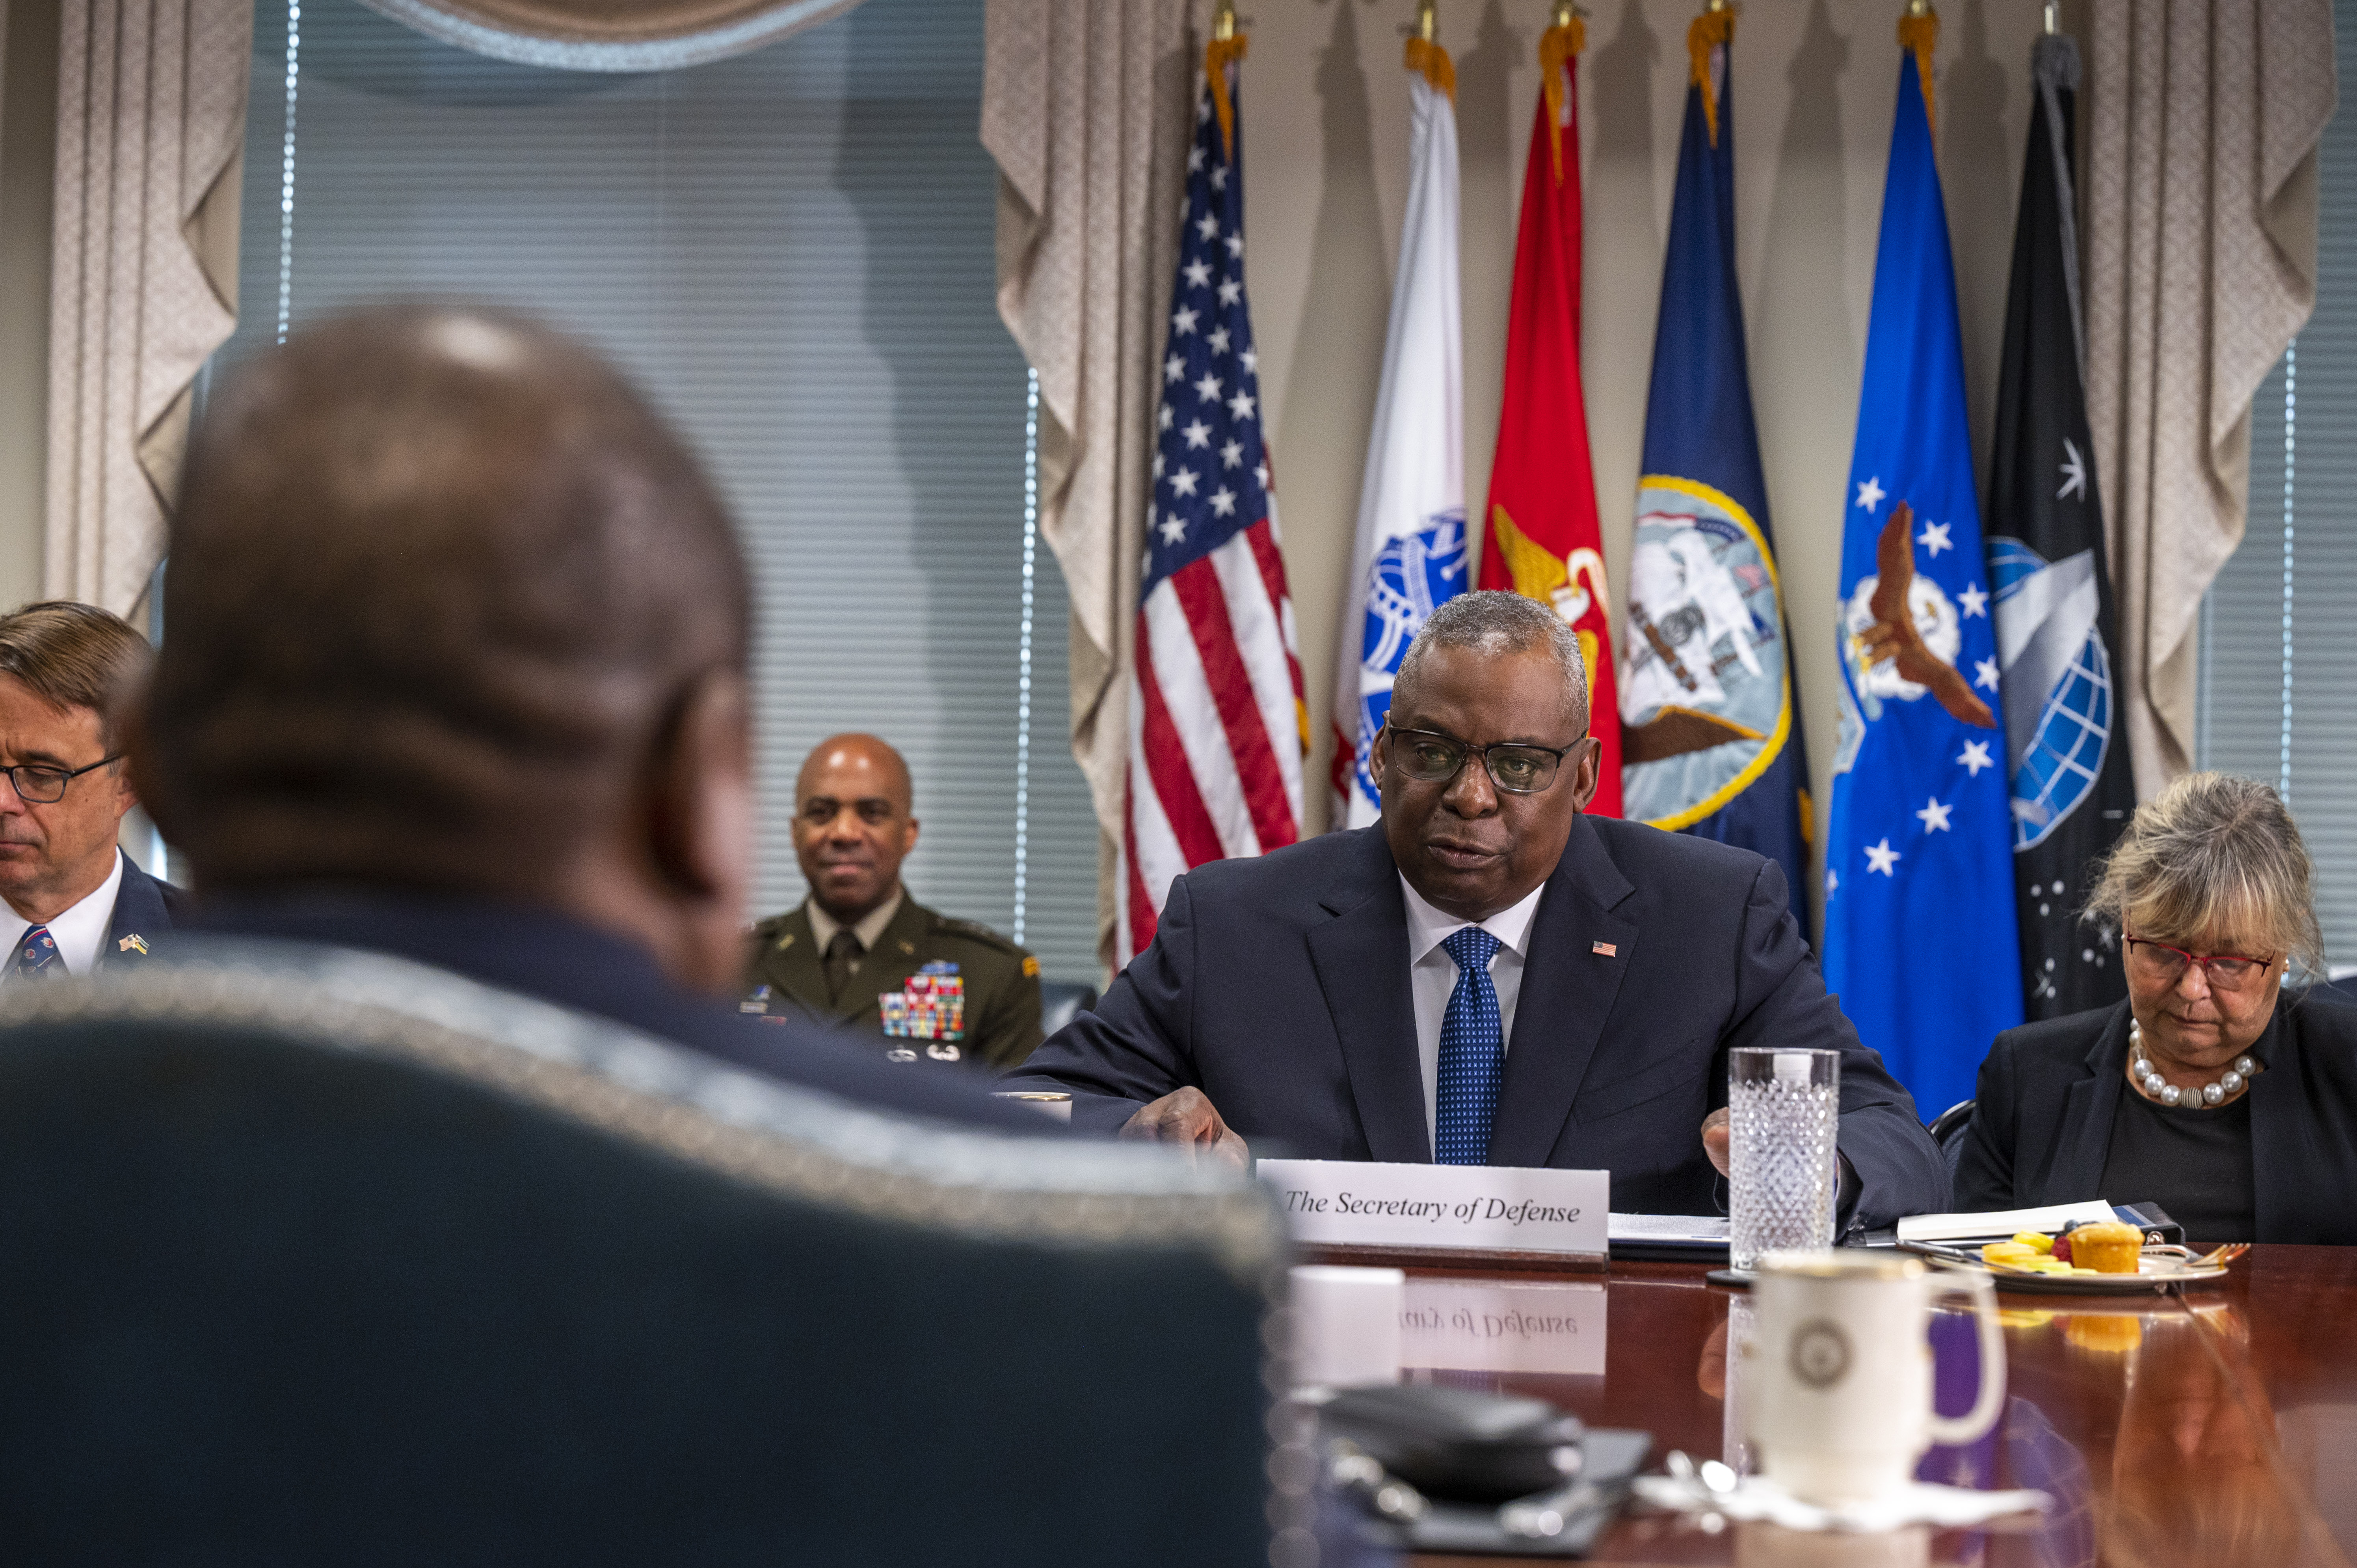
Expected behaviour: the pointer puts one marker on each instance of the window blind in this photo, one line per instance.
(2279, 637)
(792, 252)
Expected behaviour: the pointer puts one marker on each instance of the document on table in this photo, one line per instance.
(2003, 1222)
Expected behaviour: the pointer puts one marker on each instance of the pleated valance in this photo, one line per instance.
(610, 35)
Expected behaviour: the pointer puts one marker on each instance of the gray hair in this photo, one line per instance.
(2215, 857)
(1496, 621)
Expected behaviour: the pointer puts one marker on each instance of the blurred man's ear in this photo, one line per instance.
(700, 826)
(131, 739)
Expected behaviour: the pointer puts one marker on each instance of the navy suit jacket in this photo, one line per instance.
(544, 954)
(144, 908)
(2041, 1127)
(1279, 987)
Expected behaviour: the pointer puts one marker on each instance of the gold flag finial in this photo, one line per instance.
(1424, 55)
(1714, 30)
(1919, 30)
(1559, 49)
(1221, 56)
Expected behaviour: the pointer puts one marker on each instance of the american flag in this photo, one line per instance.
(1217, 727)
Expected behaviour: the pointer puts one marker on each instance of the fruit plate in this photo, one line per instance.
(2161, 1270)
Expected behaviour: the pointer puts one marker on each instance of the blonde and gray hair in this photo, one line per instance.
(2214, 857)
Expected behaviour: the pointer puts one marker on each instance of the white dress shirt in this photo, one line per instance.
(81, 931)
(1431, 975)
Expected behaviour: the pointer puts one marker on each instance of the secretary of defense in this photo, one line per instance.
(1486, 975)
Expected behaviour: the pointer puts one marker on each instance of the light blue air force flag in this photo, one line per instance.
(1919, 938)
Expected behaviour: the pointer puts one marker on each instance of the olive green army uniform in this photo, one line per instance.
(930, 990)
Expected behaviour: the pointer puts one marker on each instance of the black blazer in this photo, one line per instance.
(1279, 986)
(2042, 1118)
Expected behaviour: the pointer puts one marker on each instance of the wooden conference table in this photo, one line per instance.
(2214, 1429)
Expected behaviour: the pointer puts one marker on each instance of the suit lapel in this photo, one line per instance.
(139, 916)
(1568, 988)
(2088, 1107)
(887, 967)
(791, 963)
(1360, 957)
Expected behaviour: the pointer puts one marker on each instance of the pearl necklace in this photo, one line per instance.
(2154, 1087)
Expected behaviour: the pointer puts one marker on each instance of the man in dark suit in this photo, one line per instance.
(457, 672)
(1486, 975)
(75, 900)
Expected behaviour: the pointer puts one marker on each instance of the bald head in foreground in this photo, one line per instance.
(457, 671)
(1592, 974)
(860, 954)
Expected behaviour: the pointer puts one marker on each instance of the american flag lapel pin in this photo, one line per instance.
(1608, 949)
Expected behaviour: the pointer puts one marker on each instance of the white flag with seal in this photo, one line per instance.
(1412, 547)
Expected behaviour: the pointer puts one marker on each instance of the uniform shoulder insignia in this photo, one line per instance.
(974, 930)
(1030, 967)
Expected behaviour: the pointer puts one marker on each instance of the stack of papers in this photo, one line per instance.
(1998, 1224)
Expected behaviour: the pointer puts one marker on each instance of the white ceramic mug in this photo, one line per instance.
(1837, 1373)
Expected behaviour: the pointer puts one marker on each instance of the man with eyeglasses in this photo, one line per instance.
(76, 901)
(1486, 975)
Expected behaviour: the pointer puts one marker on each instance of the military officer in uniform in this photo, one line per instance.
(860, 953)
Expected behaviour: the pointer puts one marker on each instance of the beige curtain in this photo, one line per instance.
(610, 35)
(2201, 267)
(1085, 108)
(151, 122)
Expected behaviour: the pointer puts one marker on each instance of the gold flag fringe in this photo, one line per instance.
(1217, 55)
(1559, 49)
(1432, 62)
(1919, 34)
(1711, 30)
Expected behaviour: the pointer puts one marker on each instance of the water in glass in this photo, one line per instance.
(1785, 1107)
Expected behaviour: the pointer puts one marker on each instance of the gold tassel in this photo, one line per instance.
(1712, 29)
(1217, 55)
(1919, 31)
(1559, 47)
(1431, 61)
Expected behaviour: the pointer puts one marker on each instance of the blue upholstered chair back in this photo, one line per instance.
(309, 1257)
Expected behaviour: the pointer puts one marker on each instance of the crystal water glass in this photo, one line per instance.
(1784, 1109)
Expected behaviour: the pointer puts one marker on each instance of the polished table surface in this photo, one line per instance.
(2214, 1428)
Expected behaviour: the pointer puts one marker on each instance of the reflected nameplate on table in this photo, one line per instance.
(1502, 1214)
(1503, 1325)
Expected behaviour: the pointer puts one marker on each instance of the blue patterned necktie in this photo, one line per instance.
(36, 957)
(1472, 1055)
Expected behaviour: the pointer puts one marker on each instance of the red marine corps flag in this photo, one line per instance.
(1217, 728)
(1543, 540)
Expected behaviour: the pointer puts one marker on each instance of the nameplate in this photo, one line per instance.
(1497, 1212)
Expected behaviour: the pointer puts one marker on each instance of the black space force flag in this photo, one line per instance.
(2072, 791)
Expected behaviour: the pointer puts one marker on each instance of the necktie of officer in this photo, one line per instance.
(36, 957)
(1472, 1055)
(843, 955)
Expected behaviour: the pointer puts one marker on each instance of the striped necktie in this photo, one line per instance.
(36, 957)
(1472, 1055)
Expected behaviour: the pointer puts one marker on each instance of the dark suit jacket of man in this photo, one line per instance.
(548, 956)
(1279, 987)
(2042, 1123)
(144, 908)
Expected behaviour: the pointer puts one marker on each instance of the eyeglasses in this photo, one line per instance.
(2162, 964)
(39, 786)
(1430, 758)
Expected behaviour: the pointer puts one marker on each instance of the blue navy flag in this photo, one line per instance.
(1919, 936)
(1711, 726)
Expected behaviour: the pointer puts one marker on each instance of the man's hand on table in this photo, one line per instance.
(1715, 1138)
(1188, 1120)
